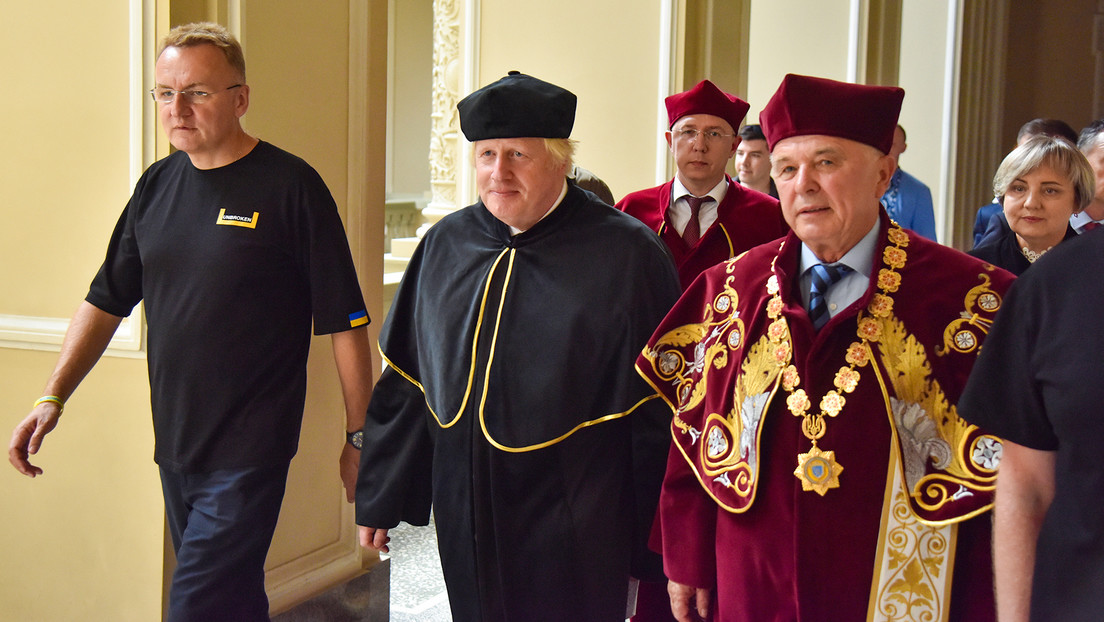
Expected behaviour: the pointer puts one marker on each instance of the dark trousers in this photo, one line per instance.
(221, 525)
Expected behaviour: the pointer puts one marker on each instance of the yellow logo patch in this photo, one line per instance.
(249, 222)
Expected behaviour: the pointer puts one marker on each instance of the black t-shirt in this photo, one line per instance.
(233, 264)
(1037, 384)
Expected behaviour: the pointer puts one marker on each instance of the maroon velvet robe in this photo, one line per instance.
(745, 218)
(735, 518)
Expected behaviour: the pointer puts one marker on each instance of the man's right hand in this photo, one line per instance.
(689, 604)
(89, 334)
(27, 437)
(372, 538)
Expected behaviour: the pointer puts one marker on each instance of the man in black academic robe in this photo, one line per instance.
(510, 400)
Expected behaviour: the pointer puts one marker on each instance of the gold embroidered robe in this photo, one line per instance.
(890, 540)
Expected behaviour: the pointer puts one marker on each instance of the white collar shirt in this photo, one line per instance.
(1080, 219)
(679, 211)
(854, 284)
(563, 193)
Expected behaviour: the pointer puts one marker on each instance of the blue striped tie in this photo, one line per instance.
(824, 277)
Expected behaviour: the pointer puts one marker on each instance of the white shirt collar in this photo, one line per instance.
(679, 209)
(718, 192)
(1080, 219)
(859, 258)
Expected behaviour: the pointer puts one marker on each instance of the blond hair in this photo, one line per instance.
(562, 151)
(207, 33)
(1059, 154)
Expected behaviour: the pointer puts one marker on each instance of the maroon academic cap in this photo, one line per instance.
(804, 105)
(706, 98)
(517, 106)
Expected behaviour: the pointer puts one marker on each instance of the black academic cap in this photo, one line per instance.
(517, 106)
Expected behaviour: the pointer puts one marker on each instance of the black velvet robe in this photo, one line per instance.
(1001, 248)
(510, 400)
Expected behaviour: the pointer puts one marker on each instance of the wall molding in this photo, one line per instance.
(26, 332)
(23, 332)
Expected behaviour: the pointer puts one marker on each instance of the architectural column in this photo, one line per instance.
(883, 49)
(338, 126)
(983, 40)
(446, 166)
(444, 143)
(445, 132)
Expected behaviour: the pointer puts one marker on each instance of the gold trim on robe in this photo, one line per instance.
(481, 411)
(949, 466)
(914, 566)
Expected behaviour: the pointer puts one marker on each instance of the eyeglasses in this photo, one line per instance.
(163, 95)
(711, 136)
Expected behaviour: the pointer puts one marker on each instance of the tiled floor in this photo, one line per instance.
(417, 587)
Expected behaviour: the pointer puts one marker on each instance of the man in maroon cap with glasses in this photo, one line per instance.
(819, 469)
(702, 215)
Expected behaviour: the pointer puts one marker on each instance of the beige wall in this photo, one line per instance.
(82, 541)
(607, 55)
(794, 36)
(924, 115)
(59, 113)
(410, 97)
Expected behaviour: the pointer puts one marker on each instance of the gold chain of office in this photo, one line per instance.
(819, 470)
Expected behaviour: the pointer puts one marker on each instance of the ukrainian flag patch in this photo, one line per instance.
(360, 318)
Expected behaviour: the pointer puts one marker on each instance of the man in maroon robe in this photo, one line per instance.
(702, 215)
(819, 469)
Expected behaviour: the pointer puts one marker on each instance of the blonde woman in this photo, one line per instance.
(1040, 184)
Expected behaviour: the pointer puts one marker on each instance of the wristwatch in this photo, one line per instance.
(356, 439)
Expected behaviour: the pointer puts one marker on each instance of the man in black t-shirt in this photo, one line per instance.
(1034, 386)
(236, 249)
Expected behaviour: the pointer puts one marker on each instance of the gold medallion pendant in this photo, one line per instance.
(818, 470)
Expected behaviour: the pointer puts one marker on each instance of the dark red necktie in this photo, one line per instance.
(1089, 226)
(692, 233)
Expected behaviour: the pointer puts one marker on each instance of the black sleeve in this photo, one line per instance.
(1002, 395)
(396, 462)
(652, 421)
(336, 300)
(117, 286)
(651, 443)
